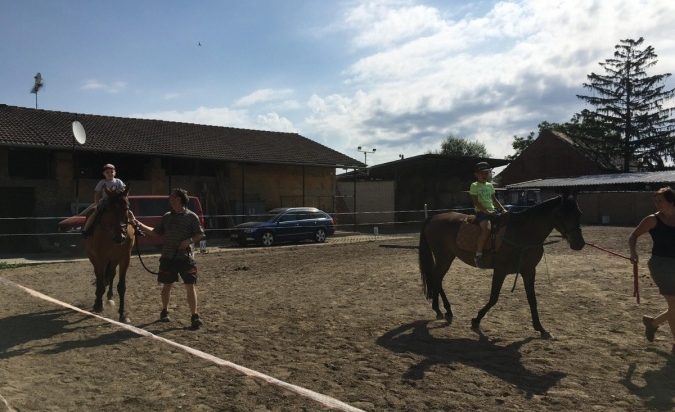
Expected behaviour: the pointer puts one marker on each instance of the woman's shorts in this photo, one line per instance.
(170, 269)
(662, 270)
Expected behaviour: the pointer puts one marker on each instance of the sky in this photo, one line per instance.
(394, 76)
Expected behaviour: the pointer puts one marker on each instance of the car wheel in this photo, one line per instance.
(267, 239)
(320, 236)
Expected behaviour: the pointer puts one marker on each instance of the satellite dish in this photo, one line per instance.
(78, 132)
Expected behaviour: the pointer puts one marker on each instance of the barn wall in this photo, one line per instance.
(268, 186)
(374, 202)
(616, 209)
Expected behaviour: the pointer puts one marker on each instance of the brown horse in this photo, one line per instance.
(519, 250)
(110, 246)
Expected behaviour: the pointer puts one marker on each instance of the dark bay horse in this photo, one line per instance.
(109, 246)
(520, 251)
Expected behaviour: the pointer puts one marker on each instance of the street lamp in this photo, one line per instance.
(365, 154)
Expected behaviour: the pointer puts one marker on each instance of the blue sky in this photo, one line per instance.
(395, 75)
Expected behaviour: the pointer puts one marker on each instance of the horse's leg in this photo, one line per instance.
(109, 279)
(442, 267)
(497, 282)
(528, 281)
(99, 270)
(121, 290)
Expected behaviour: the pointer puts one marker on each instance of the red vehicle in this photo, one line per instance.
(147, 209)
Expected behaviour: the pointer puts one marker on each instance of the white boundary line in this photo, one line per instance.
(307, 393)
(9, 407)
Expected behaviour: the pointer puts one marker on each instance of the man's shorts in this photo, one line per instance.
(170, 269)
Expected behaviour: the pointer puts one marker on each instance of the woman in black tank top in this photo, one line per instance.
(661, 228)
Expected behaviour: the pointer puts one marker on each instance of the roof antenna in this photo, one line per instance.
(37, 86)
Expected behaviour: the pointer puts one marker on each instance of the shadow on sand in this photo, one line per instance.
(503, 362)
(30, 332)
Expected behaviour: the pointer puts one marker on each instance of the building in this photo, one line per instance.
(48, 173)
(621, 199)
(552, 154)
(401, 191)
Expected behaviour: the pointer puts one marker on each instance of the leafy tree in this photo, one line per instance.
(629, 121)
(458, 146)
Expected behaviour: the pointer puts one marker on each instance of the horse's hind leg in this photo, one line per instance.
(497, 282)
(441, 268)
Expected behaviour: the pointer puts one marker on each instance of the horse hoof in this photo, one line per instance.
(440, 316)
(125, 319)
(448, 318)
(546, 335)
(475, 323)
(98, 309)
(111, 302)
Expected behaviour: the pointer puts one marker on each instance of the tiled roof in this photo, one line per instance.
(664, 177)
(24, 127)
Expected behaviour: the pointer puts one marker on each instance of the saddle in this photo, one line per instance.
(469, 231)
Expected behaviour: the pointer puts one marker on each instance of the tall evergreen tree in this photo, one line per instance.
(629, 121)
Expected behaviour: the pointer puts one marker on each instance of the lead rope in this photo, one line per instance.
(636, 282)
(138, 251)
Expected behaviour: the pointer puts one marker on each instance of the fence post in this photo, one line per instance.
(425, 212)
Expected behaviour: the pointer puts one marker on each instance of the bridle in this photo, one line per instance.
(117, 227)
(560, 226)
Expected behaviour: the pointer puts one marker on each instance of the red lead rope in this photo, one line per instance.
(636, 285)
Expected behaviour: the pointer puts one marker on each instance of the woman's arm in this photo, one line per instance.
(645, 226)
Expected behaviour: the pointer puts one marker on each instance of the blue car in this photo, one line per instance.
(285, 224)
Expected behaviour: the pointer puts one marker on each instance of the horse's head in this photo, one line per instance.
(116, 215)
(568, 222)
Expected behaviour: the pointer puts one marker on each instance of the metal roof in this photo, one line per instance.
(664, 177)
(437, 163)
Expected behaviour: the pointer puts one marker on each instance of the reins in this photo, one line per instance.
(636, 283)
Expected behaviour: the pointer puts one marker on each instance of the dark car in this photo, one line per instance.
(518, 200)
(285, 224)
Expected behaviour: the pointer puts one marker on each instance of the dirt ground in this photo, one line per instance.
(347, 319)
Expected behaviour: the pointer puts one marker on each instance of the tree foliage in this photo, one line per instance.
(458, 146)
(629, 121)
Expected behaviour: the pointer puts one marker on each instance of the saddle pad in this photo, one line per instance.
(467, 236)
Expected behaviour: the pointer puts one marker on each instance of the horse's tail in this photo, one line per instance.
(426, 262)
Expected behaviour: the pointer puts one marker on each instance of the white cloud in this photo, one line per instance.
(114, 87)
(171, 96)
(485, 77)
(225, 117)
(203, 115)
(263, 95)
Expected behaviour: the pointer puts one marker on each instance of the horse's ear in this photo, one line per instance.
(126, 191)
(107, 190)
